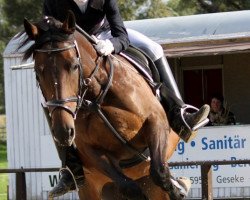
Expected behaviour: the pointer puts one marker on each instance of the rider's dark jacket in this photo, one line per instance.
(100, 15)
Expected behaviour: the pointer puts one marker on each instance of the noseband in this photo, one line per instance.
(83, 84)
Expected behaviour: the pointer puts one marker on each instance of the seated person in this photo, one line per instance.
(219, 115)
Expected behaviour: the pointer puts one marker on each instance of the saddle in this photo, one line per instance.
(144, 65)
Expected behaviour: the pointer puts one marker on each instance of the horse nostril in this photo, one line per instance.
(71, 133)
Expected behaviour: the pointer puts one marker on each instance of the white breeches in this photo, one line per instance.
(153, 49)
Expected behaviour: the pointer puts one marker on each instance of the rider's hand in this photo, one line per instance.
(104, 47)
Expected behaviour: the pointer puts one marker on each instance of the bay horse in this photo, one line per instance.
(104, 107)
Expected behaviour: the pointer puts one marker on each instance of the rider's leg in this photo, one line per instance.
(182, 122)
(71, 172)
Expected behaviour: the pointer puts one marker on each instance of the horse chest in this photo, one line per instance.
(93, 130)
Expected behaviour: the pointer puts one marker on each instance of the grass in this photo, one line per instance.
(3, 164)
(3, 177)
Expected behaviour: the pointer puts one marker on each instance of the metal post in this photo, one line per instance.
(8, 198)
(206, 182)
(21, 186)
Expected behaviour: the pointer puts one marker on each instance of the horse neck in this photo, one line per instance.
(90, 60)
(86, 48)
(87, 53)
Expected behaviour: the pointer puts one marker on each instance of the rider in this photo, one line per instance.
(102, 19)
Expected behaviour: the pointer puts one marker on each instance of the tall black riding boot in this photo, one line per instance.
(71, 173)
(182, 121)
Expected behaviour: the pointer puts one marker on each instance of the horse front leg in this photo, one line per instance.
(126, 186)
(159, 169)
(89, 191)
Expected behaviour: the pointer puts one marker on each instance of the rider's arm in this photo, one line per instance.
(118, 31)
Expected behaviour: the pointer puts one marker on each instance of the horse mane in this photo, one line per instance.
(49, 28)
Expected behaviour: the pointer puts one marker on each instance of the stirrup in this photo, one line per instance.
(183, 184)
(72, 176)
(199, 124)
(57, 191)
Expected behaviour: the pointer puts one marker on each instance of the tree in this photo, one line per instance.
(156, 9)
(213, 6)
(183, 7)
(128, 8)
(12, 13)
(141, 9)
(16, 10)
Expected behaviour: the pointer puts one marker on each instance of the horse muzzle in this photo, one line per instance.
(64, 136)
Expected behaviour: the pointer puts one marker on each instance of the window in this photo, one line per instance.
(199, 84)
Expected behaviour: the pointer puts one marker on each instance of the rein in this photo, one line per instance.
(83, 88)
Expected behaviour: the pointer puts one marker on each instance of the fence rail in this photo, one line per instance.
(206, 175)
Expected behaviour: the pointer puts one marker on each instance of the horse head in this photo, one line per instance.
(59, 72)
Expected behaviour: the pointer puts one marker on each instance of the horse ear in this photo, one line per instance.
(30, 29)
(69, 25)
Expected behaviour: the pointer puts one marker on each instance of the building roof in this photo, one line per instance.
(188, 35)
(11, 48)
(194, 27)
(202, 34)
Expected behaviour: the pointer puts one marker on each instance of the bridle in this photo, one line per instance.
(95, 105)
(83, 84)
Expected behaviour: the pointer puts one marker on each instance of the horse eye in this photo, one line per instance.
(75, 67)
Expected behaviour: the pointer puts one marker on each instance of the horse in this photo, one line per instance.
(104, 107)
